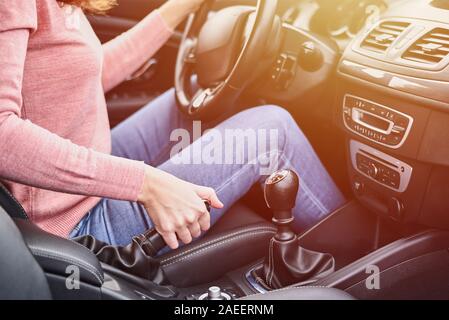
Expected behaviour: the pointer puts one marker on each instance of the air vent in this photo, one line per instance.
(431, 48)
(383, 36)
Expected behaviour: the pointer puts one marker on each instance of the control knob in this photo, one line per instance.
(373, 171)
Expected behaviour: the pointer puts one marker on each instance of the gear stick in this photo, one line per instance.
(287, 262)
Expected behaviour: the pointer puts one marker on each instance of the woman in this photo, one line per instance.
(58, 157)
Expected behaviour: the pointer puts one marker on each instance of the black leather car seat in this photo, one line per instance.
(21, 277)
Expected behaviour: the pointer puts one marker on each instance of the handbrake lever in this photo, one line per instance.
(152, 242)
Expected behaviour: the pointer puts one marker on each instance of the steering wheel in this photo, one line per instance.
(223, 51)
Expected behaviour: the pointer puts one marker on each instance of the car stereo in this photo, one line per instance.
(380, 167)
(376, 122)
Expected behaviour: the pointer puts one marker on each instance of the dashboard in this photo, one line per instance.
(341, 20)
(393, 105)
(388, 61)
(380, 70)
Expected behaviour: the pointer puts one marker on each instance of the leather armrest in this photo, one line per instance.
(209, 258)
(302, 293)
(55, 254)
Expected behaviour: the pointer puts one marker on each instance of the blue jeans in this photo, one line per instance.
(146, 136)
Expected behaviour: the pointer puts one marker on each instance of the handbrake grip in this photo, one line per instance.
(152, 242)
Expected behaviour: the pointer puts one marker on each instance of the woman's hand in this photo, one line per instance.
(175, 11)
(176, 207)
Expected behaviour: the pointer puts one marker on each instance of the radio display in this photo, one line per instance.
(376, 122)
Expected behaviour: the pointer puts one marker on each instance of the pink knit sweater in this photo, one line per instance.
(55, 139)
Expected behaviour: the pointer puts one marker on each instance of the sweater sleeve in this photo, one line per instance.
(127, 52)
(32, 155)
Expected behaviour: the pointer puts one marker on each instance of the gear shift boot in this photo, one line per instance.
(287, 262)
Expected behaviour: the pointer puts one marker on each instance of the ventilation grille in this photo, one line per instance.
(431, 48)
(383, 36)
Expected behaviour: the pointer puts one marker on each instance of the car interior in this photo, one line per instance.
(368, 83)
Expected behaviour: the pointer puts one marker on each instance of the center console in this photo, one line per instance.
(392, 103)
(254, 260)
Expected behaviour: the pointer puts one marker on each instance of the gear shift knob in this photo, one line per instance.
(281, 190)
(287, 262)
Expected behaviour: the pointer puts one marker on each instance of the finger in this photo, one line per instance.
(195, 229)
(204, 222)
(210, 195)
(184, 235)
(215, 202)
(171, 240)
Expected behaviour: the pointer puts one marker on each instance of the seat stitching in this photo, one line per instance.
(55, 255)
(68, 260)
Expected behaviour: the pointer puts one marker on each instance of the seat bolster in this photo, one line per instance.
(56, 254)
(21, 277)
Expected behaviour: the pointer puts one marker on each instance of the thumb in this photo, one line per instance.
(210, 195)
